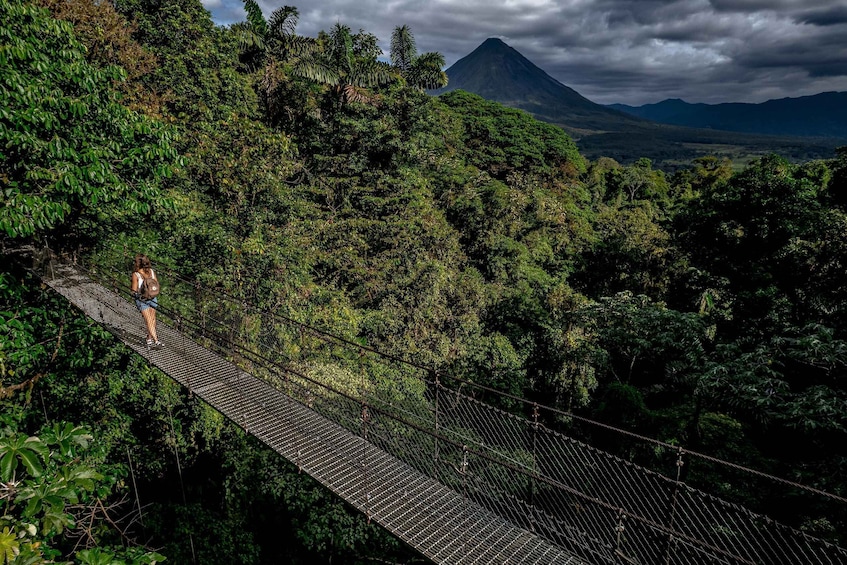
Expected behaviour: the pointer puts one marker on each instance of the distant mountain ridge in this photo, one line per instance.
(497, 72)
(822, 115)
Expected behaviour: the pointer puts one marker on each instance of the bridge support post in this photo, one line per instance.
(198, 309)
(463, 470)
(181, 331)
(365, 481)
(619, 532)
(532, 482)
(435, 456)
(671, 539)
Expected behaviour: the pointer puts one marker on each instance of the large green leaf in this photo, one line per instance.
(31, 462)
(8, 545)
(8, 463)
(96, 556)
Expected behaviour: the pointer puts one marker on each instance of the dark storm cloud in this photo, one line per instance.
(823, 56)
(632, 51)
(825, 16)
(752, 6)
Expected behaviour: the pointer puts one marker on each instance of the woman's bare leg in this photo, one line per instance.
(150, 320)
(153, 325)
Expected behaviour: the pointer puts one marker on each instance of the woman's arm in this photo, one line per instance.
(134, 284)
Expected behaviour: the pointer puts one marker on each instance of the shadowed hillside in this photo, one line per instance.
(823, 115)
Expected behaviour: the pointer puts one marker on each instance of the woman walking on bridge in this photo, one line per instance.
(145, 290)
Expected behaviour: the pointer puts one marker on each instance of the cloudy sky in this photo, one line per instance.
(629, 51)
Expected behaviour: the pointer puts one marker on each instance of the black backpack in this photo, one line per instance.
(149, 287)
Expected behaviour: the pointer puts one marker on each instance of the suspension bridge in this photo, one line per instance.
(458, 479)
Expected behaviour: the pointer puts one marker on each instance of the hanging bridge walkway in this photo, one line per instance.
(459, 480)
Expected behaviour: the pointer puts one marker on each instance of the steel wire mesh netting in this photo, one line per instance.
(604, 508)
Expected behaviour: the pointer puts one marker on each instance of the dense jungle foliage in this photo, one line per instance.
(314, 177)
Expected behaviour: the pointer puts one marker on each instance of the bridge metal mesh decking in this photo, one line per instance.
(375, 411)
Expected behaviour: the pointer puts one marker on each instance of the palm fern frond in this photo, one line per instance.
(299, 46)
(353, 93)
(371, 73)
(247, 37)
(255, 18)
(283, 22)
(426, 79)
(403, 49)
(426, 72)
(433, 59)
(340, 48)
(318, 71)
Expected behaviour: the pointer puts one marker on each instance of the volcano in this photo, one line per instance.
(500, 73)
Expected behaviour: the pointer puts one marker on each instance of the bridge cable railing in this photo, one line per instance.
(599, 506)
(527, 406)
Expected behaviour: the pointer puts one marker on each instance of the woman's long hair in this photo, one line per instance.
(142, 263)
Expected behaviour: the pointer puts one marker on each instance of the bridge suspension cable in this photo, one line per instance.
(501, 398)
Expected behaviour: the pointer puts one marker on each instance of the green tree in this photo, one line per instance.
(71, 150)
(419, 71)
(286, 65)
(501, 140)
(197, 62)
(632, 250)
(755, 213)
(274, 41)
(351, 64)
(108, 40)
(646, 342)
(836, 192)
(55, 489)
(748, 229)
(794, 380)
(637, 183)
(257, 28)
(705, 174)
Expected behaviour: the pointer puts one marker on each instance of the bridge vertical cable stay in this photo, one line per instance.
(673, 501)
(436, 385)
(379, 430)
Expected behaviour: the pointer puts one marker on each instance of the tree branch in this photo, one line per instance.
(9, 391)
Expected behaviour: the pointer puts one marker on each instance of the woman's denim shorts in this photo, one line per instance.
(143, 305)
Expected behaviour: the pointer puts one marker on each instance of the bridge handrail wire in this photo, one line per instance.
(527, 403)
